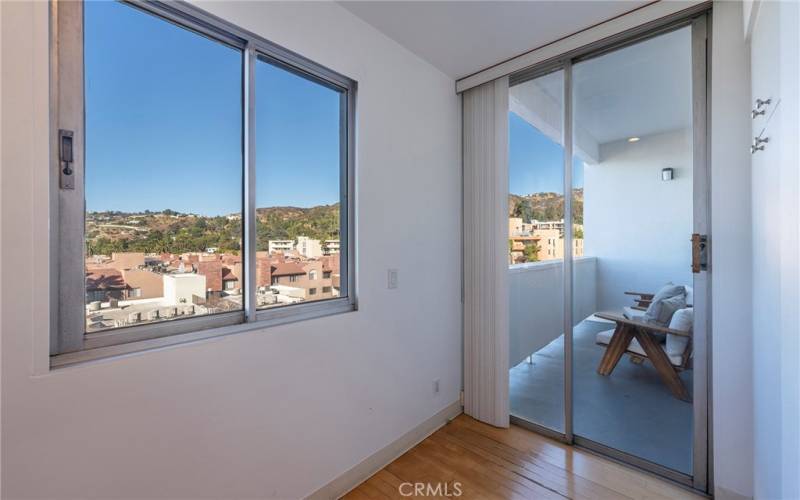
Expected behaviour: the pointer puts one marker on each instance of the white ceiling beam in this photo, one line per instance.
(649, 13)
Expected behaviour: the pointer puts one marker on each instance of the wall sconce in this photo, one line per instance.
(666, 174)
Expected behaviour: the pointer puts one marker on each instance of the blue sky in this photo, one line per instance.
(164, 122)
(535, 163)
(297, 147)
(164, 125)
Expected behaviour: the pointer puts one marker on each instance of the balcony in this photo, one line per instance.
(631, 410)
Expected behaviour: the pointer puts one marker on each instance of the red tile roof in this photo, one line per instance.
(104, 279)
(212, 270)
(228, 275)
(286, 269)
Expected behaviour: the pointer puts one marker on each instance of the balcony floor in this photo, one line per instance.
(630, 410)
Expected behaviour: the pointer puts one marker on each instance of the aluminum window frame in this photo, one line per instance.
(69, 342)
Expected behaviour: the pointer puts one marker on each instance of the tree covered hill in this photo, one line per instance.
(545, 206)
(173, 232)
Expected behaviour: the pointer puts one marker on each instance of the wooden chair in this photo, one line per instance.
(642, 300)
(639, 339)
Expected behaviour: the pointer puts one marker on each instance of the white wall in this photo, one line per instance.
(536, 303)
(731, 348)
(637, 225)
(275, 413)
(775, 49)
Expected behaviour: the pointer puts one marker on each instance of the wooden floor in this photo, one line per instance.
(481, 461)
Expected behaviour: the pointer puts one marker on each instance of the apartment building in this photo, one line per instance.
(330, 247)
(281, 246)
(540, 241)
(308, 247)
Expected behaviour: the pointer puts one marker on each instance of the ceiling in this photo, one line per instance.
(639, 90)
(463, 37)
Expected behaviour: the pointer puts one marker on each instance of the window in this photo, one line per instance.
(298, 172)
(312, 291)
(198, 195)
(326, 275)
(326, 289)
(159, 170)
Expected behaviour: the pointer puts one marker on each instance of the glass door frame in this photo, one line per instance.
(699, 18)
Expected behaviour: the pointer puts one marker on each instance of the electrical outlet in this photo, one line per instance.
(392, 279)
(436, 386)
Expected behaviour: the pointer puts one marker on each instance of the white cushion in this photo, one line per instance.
(632, 313)
(604, 337)
(668, 299)
(682, 320)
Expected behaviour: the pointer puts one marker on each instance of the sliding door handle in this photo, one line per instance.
(66, 159)
(699, 252)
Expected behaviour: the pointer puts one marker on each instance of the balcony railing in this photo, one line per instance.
(536, 302)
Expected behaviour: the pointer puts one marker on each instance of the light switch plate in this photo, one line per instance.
(392, 279)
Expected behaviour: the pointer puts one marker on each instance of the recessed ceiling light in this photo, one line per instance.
(633, 139)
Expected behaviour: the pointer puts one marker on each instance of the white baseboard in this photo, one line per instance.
(383, 457)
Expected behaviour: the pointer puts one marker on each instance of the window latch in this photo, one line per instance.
(65, 156)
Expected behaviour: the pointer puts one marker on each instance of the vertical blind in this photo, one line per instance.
(485, 136)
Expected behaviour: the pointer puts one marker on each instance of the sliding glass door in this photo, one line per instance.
(535, 256)
(608, 314)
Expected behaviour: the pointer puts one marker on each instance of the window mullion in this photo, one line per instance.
(68, 233)
(249, 251)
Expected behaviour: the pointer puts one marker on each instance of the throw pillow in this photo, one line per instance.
(665, 302)
(682, 320)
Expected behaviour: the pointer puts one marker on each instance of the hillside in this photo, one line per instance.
(545, 206)
(172, 232)
(287, 223)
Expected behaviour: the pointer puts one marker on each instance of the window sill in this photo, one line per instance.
(264, 319)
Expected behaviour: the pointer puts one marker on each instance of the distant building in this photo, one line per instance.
(187, 288)
(231, 281)
(330, 247)
(212, 270)
(516, 227)
(143, 283)
(317, 282)
(283, 246)
(308, 248)
(287, 273)
(103, 284)
(549, 224)
(547, 238)
(263, 270)
(517, 246)
(190, 257)
(126, 260)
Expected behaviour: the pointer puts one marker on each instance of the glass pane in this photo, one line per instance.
(163, 170)
(536, 250)
(633, 181)
(297, 188)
